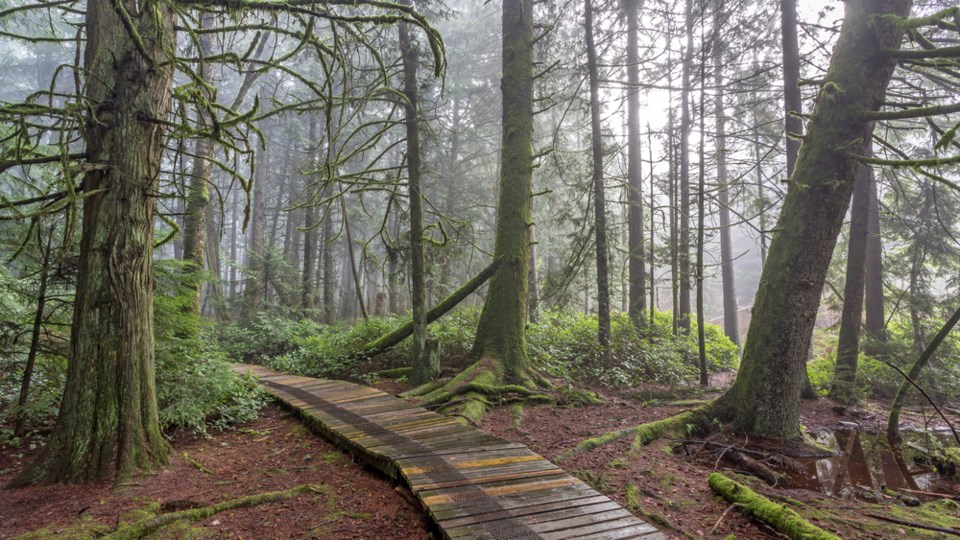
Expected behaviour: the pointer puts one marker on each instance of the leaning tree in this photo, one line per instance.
(765, 398)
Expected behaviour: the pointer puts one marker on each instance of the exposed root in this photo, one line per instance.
(781, 518)
(471, 393)
(643, 434)
(424, 389)
(144, 527)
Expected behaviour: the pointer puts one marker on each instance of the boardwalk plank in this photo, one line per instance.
(473, 485)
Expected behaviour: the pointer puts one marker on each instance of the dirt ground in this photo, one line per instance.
(671, 487)
(274, 453)
(668, 486)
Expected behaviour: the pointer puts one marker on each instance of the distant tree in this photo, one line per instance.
(637, 272)
(599, 195)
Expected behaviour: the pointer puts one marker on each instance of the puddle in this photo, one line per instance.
(867, 464)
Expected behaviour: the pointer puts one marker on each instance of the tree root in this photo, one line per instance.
(643, 434)
(781, 518)
(144, 527)
(471, 393)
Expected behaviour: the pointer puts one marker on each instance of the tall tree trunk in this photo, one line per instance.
(351, 256)
(731, 321)
(198, 191)
(764, 399)
(21, 419)
(420, 358)
(329, 310)
(793, 127)
(843, 388)
(533, 296)
(701, 215)
(234, 241)
(637, 271)
(108, 417)
(653, 275)
(876, 321)
(792, 99)
(683, 212)
(310, 225)
(256, 278)
(501, 332)
(599, 196)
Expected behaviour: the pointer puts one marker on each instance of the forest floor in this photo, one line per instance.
(671, 480)
(670, 483)
(667, 485)
(274, 453)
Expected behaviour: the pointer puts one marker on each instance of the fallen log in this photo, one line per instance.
(387, 341)
(142, 528)
(781, 518)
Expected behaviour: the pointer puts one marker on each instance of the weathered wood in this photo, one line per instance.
(472, 485)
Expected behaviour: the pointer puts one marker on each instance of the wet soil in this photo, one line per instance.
(271, 454)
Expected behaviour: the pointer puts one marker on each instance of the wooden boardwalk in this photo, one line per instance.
(472, 485)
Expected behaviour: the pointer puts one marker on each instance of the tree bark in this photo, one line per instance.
(876, 321)
(255, 280)
(198, 191)
(792, 100)
(843, 389)
(423, 370)
(731, 320)
(108, 414)
(764, 399)
(637, 272)
(501, 332)
(599, 196)
(21, 420)
(683, 212)
(310, 226)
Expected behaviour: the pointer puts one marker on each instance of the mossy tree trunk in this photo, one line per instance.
(255, 282)
(500, 344)
(599, 195)
(793, 127)
(637, 272)
(108, 415)
(843, 389)
(502, 366)
(765, 397)
(198, 191)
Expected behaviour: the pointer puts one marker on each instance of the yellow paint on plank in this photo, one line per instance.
(505, 490)
(477, 463)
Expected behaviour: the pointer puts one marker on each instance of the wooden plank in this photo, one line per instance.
(563, 519)
(545, 505)
(473, 485)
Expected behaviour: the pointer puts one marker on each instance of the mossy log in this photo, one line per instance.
(144, 527)
(781, 518)
(386, 342)
(642, 435)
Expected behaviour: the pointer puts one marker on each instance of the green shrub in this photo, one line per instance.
(564, 343)
(196, 386)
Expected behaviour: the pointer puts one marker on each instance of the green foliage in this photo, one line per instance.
(564, 344)
(876, 379)
(196, 387)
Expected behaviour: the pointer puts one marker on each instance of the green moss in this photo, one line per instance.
(84, 529)
(780, 517)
